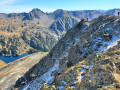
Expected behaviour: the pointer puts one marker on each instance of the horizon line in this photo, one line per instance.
(61, 9)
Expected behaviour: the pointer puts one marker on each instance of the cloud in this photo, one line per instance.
(10, 6)
(7, 2)
(22, 8)
(15, 9)
(13, 6)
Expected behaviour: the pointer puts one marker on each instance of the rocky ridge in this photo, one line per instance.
(87, 57)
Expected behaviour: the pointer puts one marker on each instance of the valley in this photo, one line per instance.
(60, 50)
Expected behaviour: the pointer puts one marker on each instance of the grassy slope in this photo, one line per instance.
(2, 64)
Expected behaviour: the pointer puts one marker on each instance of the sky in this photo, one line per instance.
(17, 6)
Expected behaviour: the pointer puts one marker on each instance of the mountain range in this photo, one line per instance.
(83, 54)
(39, 31)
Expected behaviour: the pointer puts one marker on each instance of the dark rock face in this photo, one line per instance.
(107, 37)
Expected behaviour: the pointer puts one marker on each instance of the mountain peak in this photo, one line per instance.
(35, 13)
(37, 10)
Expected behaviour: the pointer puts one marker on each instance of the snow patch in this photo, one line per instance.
(108, 44)
(73, 86)
(76, 40)
(75, 81)
(64, 82)
(90, 66)
(38, 82)
(82, 70)
(101, 86)
(60, 87)
(112, 44)
(80, 77)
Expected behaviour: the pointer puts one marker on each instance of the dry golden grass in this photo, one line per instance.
(2, 64)
(117, 77)
(7, 34)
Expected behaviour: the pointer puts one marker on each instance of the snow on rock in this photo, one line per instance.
(80, 77)
(82, 70)
(113, 44)
(73, 86)
(90, 66)
(76, 40)
(109, 44)
(65, 83)
(101, 86)
(60, 87)
(75, 81)
(46, 77)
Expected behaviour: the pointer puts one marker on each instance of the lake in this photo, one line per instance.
(8, 59)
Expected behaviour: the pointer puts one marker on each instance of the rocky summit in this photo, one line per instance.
(86, 58)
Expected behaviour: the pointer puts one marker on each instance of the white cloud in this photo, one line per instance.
(10, 6)
(15, 9)
(7, 2)
(22, 8)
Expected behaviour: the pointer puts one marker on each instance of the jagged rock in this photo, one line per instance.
(107, 37)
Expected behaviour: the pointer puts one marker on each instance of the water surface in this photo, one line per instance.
(8, 59)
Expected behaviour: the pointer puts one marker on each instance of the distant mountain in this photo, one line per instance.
(87, 57)
(38, 30)
(35, 13)
(63, 24)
